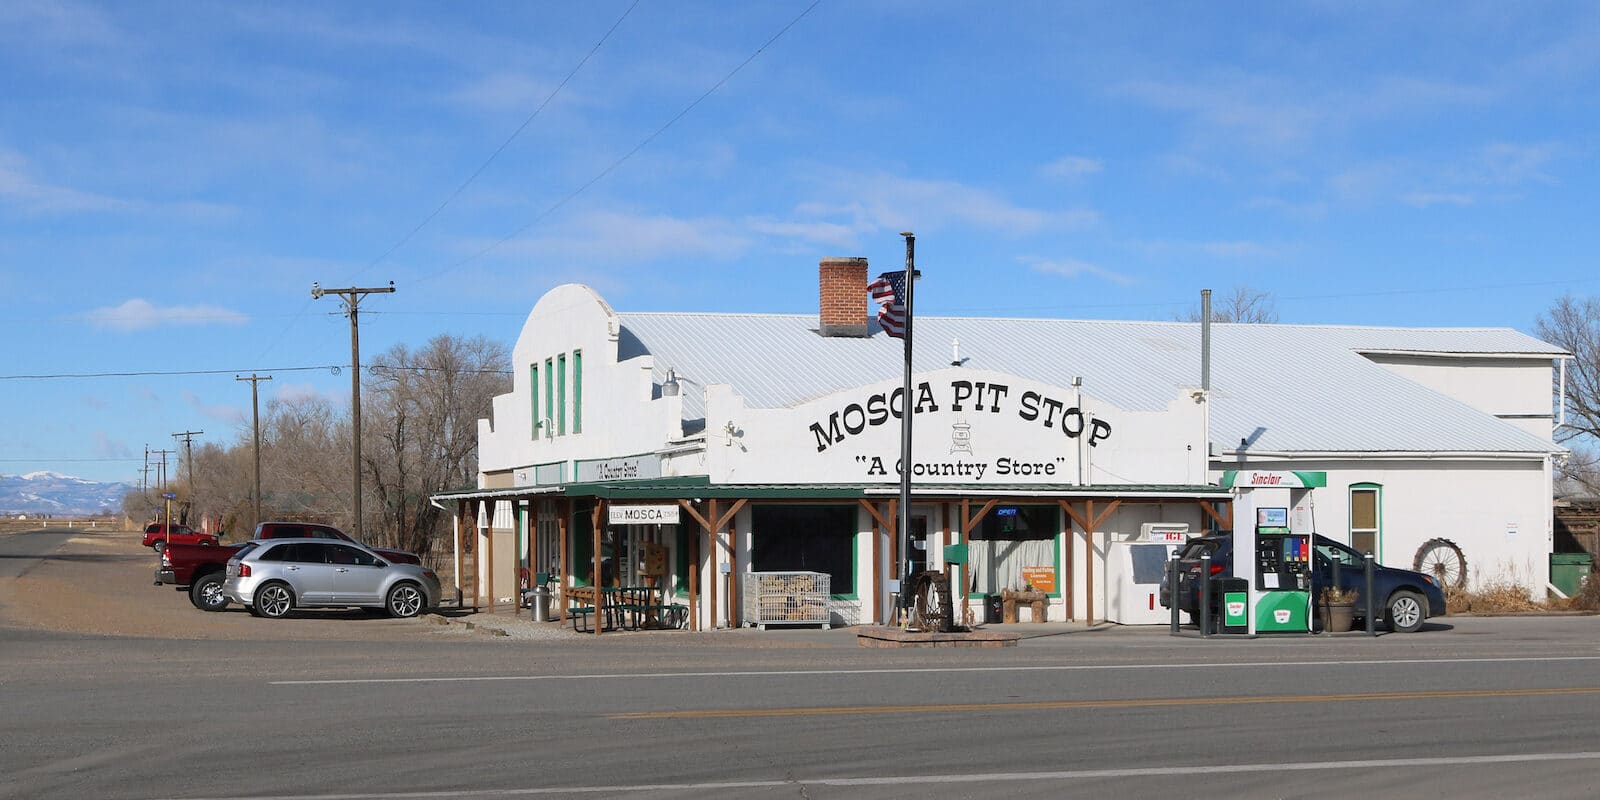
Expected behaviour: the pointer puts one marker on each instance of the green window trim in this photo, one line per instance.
(561, 395)
(1063, 531)
(577, 391)
(1376, 490)
(533, 391)
(550, 392)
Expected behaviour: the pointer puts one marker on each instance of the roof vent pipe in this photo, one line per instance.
(1205, 340)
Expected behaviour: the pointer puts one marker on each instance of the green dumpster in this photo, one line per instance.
(1567, 571)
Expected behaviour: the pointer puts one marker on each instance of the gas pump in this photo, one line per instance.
(1273, 530)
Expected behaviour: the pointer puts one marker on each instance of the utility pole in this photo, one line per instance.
(352, 301)
(161, 479)
(255, 419)
(188, 455)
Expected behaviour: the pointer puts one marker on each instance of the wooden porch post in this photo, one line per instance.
(566, 569)
(460, 510)
(694, 579)
(598, 582)
(488, 512)
(733, 574)
(716, 561)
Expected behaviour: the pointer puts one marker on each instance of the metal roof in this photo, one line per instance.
(1282, 388)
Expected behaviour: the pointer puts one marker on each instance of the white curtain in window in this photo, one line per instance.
(997, 564)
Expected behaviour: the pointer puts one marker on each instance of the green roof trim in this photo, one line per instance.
(699, 486)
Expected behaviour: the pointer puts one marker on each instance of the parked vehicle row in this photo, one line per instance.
(290, 565)
(158, 536)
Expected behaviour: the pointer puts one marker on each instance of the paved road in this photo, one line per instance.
(1472, 708)
(23, 551)
(1501, 708)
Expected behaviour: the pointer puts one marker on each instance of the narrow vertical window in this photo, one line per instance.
(1365, 525)
(561, 394)
(577, 391)
(549, 395)
(533, 391)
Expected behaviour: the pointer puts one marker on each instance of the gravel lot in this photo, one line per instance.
(102, 582)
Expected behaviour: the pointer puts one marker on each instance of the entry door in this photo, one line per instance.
(919, 541)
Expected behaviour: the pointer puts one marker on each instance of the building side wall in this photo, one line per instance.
(1498, 512)
(1518, 389)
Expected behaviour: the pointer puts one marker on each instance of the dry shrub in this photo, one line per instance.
(1497, 596)
(1587, 598)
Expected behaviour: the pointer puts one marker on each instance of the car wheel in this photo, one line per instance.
(1406, 612)
(273, 601)
(206, 592)
(160, 547)
(405, 600)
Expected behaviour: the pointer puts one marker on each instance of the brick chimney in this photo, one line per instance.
(844, 297)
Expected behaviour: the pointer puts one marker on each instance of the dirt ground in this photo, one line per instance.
(102, 582)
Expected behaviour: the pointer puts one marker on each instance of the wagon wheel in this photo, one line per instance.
(1442, 560)
(930, 607)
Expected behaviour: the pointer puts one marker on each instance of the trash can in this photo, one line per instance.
(993, 610)
(1567, 571)
(540, 600)
(1230, 598)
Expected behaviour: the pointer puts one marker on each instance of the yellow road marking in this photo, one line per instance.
(1054, 705)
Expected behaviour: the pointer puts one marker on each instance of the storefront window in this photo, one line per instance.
(806, 539)
(1009, 539)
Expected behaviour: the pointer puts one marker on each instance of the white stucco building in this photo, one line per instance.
(1038, 443)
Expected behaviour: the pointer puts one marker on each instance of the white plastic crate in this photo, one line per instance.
(786, 598)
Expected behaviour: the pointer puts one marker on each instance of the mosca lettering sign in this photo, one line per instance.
(1002, 467)
(620, 469)
(643, 515)
(963, 397)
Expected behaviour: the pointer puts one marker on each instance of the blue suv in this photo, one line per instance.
(1403, 598)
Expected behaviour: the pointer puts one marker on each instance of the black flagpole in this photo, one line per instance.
(906, 406)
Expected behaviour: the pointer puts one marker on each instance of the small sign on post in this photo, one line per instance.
(1040, 578)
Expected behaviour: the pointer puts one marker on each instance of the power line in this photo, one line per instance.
(636, 148)
(506, 143)
(331, 368)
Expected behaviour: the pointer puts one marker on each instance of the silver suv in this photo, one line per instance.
(274, 576)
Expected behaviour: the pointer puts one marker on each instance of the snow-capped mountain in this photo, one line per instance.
(54, 493)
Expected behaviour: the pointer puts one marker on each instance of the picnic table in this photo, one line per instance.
(623, 607)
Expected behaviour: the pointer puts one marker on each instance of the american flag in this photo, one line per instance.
(889, 292)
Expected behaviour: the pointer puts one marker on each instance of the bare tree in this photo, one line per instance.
(1574, 326)
(422, 412)
(422, 433)
(1243, 304)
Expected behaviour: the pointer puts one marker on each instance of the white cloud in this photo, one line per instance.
(1071, 168)
(880, 201)
(107, 447)
(140, 314)
(294, 393)
(1507, 164)
(1072, 268)
(35, 197)
(217, 412)
(1426, 199)
(1235, 249)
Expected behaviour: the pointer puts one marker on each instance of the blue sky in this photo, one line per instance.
(174, 176)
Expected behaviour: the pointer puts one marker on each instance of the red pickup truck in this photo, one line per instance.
(199, 569)
(158, 536)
